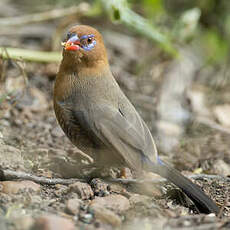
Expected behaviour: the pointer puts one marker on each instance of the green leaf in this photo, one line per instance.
(123, 14)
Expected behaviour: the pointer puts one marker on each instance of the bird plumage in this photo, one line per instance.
(100, 120)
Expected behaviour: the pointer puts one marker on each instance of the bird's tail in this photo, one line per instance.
(193, 191)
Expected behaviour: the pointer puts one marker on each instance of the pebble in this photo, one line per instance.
(61, 190)
(222, 114)
(84, 190)
(105, 215)
(196, 97)
(57, 132)
(100, 188)
(221, 168)
(73, 206)
(12, 187)
(24, 223)
(114, 202)
(139, 199)
(11, 157)
(117, 188)
(52, 222)
(87, 218)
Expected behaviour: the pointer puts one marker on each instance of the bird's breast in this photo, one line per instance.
(74, 130)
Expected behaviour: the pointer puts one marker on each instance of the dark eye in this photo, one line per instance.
(89, 40)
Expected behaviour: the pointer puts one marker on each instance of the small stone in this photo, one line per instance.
(139, 199)
(99, 187)
(197, 98)
(24, 223)
(105, 215)
(82, 189)
(52, 222)
(57, 132)
(61, 190)
(117, 188)
(87, 218)
(114, 202)
(11, 157)
(12, 187)
(222, 114)
(73, 206)
(222, 168)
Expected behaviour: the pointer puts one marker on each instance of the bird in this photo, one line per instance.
(99, 119)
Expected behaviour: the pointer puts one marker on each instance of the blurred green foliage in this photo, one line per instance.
(153, 8)
(206, 22)
(211, 28)
(216, 48)
(120, 12)
(180, 21)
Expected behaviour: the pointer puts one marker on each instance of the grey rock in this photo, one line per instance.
(117, 203)
(52, 222)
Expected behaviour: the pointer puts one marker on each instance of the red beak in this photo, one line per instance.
(72, 44)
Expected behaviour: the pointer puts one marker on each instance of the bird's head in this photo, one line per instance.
(84, 46)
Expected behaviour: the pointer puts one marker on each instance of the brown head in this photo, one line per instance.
(84, 48)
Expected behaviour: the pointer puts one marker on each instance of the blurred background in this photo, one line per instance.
(171, 58)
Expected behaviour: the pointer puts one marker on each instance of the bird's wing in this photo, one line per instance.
(130, 137)
(131, 115)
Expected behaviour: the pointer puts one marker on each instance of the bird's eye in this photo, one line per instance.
(87, 42)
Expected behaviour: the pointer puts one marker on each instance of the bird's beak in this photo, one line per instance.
(72, 44)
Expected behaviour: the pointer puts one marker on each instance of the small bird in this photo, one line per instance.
(99, 119)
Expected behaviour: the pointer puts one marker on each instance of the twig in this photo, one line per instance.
(30, 55)
(14, 175)
(7, 174)
(45, 16)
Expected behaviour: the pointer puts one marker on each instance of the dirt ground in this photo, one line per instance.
(31, 141)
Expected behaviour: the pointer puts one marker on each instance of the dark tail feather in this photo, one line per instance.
(193, 191)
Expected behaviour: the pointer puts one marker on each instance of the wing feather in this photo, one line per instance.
(114, 129)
